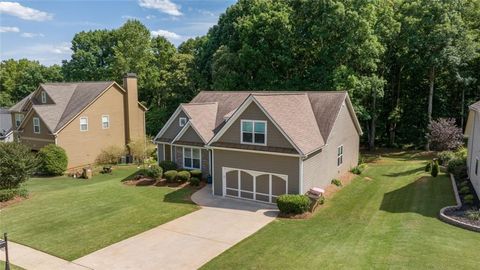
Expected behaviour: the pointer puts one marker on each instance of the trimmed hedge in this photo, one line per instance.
(183, 176)
(468, 199)
(293, 203)
(428, 168)
(435, 168)
(196, 173)
(53, 160)
(194, 181)
(167, 165)
(154, 171)
(171, 176)
(464, 190)
(336, 182)
(8, 194)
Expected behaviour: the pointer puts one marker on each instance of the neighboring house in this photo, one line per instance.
(81, 117)
(6, 134)
(259, 145)
(472, 131)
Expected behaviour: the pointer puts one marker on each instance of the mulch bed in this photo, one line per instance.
(460, 215)
(15, 200)
(146, 181)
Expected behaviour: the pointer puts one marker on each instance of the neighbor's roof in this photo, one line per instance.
(307, 118)
(19, 106)
(475, 106)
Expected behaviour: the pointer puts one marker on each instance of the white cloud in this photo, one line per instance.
(128, 17)
(46, 53)
(167, 34)
(206, 12)
(5, 29)
(22, 12)
(165, 6)
(32, 35)
(149, 17)
(62, 48)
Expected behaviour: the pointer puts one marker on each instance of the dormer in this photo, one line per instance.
(42, 98)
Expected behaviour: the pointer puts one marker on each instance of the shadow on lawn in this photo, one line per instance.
(180, 195)
(404, 173)
(416, 197)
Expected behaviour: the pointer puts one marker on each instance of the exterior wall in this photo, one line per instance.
(160, 149)
(258, 162)
(83, 147)
(168, 151)
(178, 156)
(173, 130)
(13, 119)
(321, 167)
(37, 99)
(134, 115)
(5, 121)
(274, 137)
(33, 140)
(474, 150)
(190, 136)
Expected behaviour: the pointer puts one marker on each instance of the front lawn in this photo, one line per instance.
(385, 219)
(70, 217)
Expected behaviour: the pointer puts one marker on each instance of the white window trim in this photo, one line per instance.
(81, 123)
(253, 131)
(108, 121)
(34, 125)
(44, 97)
(341, 155)
(191, 157)
(182, 121)
(18, 119)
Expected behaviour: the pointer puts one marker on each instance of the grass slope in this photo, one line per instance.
(71, 218)
(388, 222)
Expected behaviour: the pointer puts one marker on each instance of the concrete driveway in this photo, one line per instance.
(187, 242)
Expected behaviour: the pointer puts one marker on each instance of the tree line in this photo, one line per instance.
(403, 63)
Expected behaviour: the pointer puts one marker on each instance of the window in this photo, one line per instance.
(254, 132)
(36, 125)
(105, 121)
(44, 97)
(340, 155)
(476, 166)
(83, 123)
(18, 119)
(182, 121)
(191, 158)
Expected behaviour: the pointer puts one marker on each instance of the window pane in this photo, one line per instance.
(83, 121)
(196, 163)
(187, 162)
(259, 127)
(196, 153)
(188, 153)
(259, 138)
(247, 126)
(247, 137)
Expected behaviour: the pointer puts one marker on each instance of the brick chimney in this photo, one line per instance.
(131, 107)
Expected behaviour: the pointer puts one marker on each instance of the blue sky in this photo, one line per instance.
(42, 30)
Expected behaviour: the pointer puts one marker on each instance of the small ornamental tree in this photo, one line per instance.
(141, 148)
(17, 164)
(444, 134)
(435, 169)
(53, 160)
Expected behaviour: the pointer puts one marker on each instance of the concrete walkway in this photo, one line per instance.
(30, 258)
(187, 242)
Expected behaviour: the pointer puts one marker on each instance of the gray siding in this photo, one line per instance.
(321, 167)
(174, 127)
(257, 162)
(274, 137)
(178, 154)
(474, 150)
(190, 136)
(160, 148)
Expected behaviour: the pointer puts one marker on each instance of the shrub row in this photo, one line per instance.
(8, 194)
(154, 171)
(293, 203)
(174, 176)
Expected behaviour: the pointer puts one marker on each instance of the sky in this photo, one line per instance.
(43, 29)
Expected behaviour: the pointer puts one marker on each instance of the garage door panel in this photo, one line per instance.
(246, 181)
(232, 192)
(246, 195)
(263, 198)
(279, 186)
(232, 179)
(262, 185)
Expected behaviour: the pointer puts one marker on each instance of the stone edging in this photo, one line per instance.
(451, 221)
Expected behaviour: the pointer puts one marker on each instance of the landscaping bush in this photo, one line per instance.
(293, 203)
(8, 194)
(336, 182)
(154, 171)
(196, 173)
(444, 134)
(358, 169)
(435, 168)
(183, 176)
(445, 157)
(17, 164)
(468, 199)
(171, 176)
(167, 165)
(194, 181)
(473, 214)
(464, 190)
(453, 164)
(464, 184)
(141, 148)
(428, 168)
(53, 160)
(110, 155)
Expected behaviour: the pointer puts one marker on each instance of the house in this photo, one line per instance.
(81, 117)
(472, 131)
(5, 125)
(259, 145)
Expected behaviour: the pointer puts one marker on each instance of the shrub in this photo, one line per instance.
(183, 176)
(293, 203)
(435, 168)
(196, 173)
(428, 168)
(154, 171)
(336, 182)
(110, 155)
(462, 153)
(444, 134)
(141, 148)
(17, 164)
(464, 190)
(8, 194)
(473, 214)
(194, 181)
(454, 163)
(53, 160)
(167, 165)
(464, 184)
(171, 176)
(468, 199)
(445, 157)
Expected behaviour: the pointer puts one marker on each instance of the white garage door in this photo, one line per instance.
(253, 185)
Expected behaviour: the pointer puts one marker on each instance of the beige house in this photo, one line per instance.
(81, 117)
(472, 131)
(259, 145)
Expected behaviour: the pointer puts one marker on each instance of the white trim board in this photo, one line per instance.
(253, 151)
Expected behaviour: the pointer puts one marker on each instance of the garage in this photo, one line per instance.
(253, 185)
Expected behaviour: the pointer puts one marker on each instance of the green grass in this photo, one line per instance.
(386, 223)
(70, 218)
(12, 266)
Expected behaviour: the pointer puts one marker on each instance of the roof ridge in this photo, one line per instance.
(273, 91)
(200, 103)
(77, 82)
